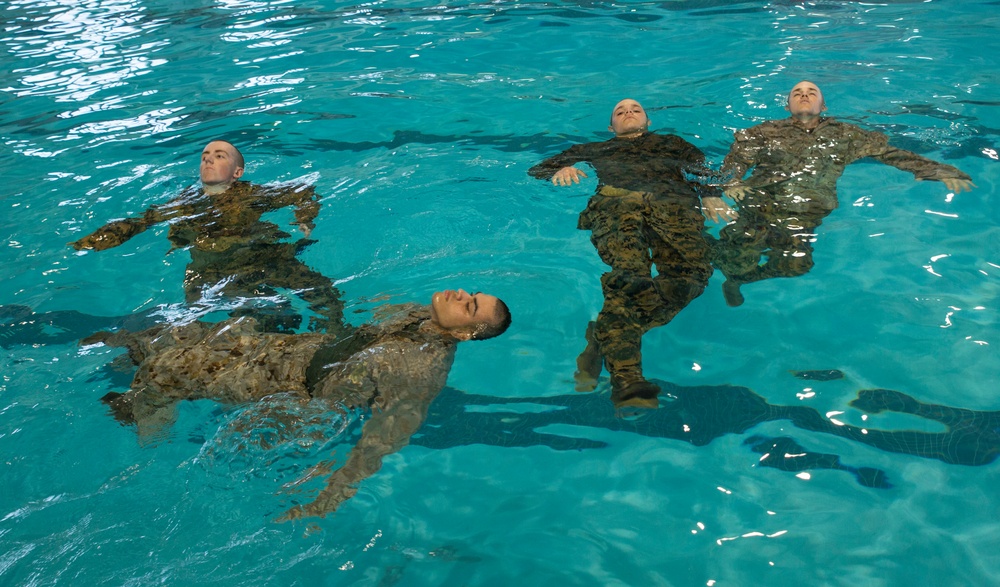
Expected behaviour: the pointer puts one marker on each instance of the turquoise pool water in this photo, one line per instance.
(417, 124)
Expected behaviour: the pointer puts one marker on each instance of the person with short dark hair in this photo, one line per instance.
(794, 165)
(648, 210)
(233, 252)
(395, 367)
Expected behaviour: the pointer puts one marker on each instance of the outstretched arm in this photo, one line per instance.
(560, 168)
(386, 433)
(303, 197)
(117, 232)
(407, 380)
(923, 168)
(111, 234)
(876, 145)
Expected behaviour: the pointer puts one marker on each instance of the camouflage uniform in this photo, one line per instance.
(232, 250)
(646, 212)
(397, 367)
(793, 188)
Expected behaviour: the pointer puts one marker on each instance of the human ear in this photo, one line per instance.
(238, 173)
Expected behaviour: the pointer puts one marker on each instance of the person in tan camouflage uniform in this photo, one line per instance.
(647, 211)
(396, 367)
(234, 253)
(794, 166)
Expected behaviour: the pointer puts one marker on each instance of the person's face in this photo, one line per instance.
(628, 117)
(459, 311)
(805, 99)
(219, 165)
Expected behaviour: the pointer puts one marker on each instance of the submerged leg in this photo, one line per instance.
(628, 301)
(785, 242)
(589, 363)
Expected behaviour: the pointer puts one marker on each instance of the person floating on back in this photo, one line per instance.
(233, 252)
(794, 166)
(395, 367)
(647, 211)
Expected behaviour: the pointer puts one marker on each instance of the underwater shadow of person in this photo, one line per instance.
(699, 415)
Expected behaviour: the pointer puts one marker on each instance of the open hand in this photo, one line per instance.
(958, 185)
(717, 210)
(567, 176)
(736, 192)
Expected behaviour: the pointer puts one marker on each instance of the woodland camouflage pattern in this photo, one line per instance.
(646, 211)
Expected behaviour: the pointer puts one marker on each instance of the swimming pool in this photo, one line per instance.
(417, 124)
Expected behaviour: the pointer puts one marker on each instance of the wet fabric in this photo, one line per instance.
(646, 213)
(395, 367)
(793, 180)
(233, 252)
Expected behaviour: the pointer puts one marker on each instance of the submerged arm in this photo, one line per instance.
(386, 433)
(876, 145)
(712, 205)
(117, 232)
(306, 203)
(408, 380)
(559, 168)
(737, 163)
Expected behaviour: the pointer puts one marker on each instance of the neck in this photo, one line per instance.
(430, 326)
(631, 135)
(215, 188)
(809, 121)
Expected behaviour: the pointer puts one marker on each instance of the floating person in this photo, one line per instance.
(794, 166)
(396, 367)
(648, 210)
(233, 252)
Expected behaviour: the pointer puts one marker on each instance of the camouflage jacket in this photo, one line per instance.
(664, 165)
(231, 361)
(800, 167)
(214, 222)
(397, 366)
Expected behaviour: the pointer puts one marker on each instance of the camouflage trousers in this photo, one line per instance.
(260, 270)
(785, 240)
(633, 232)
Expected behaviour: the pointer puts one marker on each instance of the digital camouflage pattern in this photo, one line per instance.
(395, 367)
(793, 187)
(232, 250)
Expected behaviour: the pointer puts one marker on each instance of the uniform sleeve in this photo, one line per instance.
(876, 145)
(117, 232)
(389, 429)
(740, 158)
(547, 168)
(702, 178)
(302, 196)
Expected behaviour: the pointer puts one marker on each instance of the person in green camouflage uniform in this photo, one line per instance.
(647, 211)
(794, 166)
(234, 253)
(396, 367)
